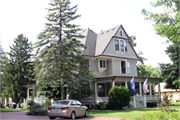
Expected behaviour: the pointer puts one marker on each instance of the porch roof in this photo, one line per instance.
(114, 77)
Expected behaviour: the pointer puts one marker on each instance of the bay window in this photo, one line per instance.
(120, 45)
(116, 44)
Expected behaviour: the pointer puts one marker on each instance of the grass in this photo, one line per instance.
(11, 110)
(130, 114)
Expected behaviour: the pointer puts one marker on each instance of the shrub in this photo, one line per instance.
(100, 106)
(119, 97)
(151, 104)
(36, 109)
(22, 104)
(165, 104)
(2, 106)
(47, 103)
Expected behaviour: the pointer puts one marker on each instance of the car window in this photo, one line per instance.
(73, 103)
(78, 103)
(61, 102)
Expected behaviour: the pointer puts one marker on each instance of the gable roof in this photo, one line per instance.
(96, 44)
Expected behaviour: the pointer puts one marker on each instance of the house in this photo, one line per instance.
(112, 57)
(174, 95)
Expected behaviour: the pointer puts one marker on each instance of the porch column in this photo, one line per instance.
(95, 96)
(150, 91)
(113, 83)
(159, 91)
(140, 89)
(145, 100)
(126, 84)
(5, 101)
(27, 93)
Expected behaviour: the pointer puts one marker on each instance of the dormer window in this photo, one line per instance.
(120, 45)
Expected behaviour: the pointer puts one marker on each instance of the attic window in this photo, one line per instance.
(120, 45)
(120, 33)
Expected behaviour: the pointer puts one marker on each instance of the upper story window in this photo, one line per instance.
(102, 64)
(128, 68)
(120, 45)
(116, 44)
(123, 67)
(120, 33)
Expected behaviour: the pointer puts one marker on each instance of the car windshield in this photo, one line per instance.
(62, 102)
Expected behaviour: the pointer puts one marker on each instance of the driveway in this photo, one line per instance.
(23, 116)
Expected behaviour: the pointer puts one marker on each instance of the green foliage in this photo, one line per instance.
(47, 103)
(18, 69)
(22, 104)
(100, 106)
(158, 115)
(119, 97)
(59, 66)
(170, 72)
(2, 106)
(166, 23)
(36, 109)
(165, 104)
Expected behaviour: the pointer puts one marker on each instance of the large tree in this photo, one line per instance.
(60, 67)
(167, 25)
(18, 69)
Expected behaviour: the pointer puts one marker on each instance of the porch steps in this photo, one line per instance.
(138, 104)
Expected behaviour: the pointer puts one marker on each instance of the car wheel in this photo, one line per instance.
(51, 118)
(86, 113)
(73, 115)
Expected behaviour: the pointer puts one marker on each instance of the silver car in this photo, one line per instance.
(67, 109)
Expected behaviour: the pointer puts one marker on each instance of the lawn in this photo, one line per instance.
(11, 110)
(129, 114)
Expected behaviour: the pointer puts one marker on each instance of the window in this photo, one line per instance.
(122, 45)
(101, 89)
(123, 67)
(87, 63)
(102, 64)
(125, 46)
(120, 33)
(116, 44)
(128, 68)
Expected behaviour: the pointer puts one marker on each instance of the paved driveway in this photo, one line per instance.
(22, 116)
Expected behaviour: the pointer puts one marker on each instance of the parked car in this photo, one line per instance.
(67, 109)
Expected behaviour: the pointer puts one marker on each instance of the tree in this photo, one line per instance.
(167, 25)
(59, 66)
(170, 72)
(18, 69)
(119, 97)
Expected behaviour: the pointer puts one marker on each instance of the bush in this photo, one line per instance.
(2, 106)
(100, 106)
(165, 104)
(47, 103)
(119, 97)
(22, 104)
(152, 104)
(36, 109)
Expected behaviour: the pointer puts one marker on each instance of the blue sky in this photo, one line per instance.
(28, 17)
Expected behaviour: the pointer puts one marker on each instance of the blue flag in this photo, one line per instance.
(132, 86)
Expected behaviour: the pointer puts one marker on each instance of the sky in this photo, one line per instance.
(28, 17)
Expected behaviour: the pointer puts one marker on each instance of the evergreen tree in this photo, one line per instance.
(170, 72)
(59, 67)
(18, 69)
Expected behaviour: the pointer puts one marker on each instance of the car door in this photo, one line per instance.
(81, 108)
(75, 107)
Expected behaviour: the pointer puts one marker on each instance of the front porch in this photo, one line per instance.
(104, 84)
